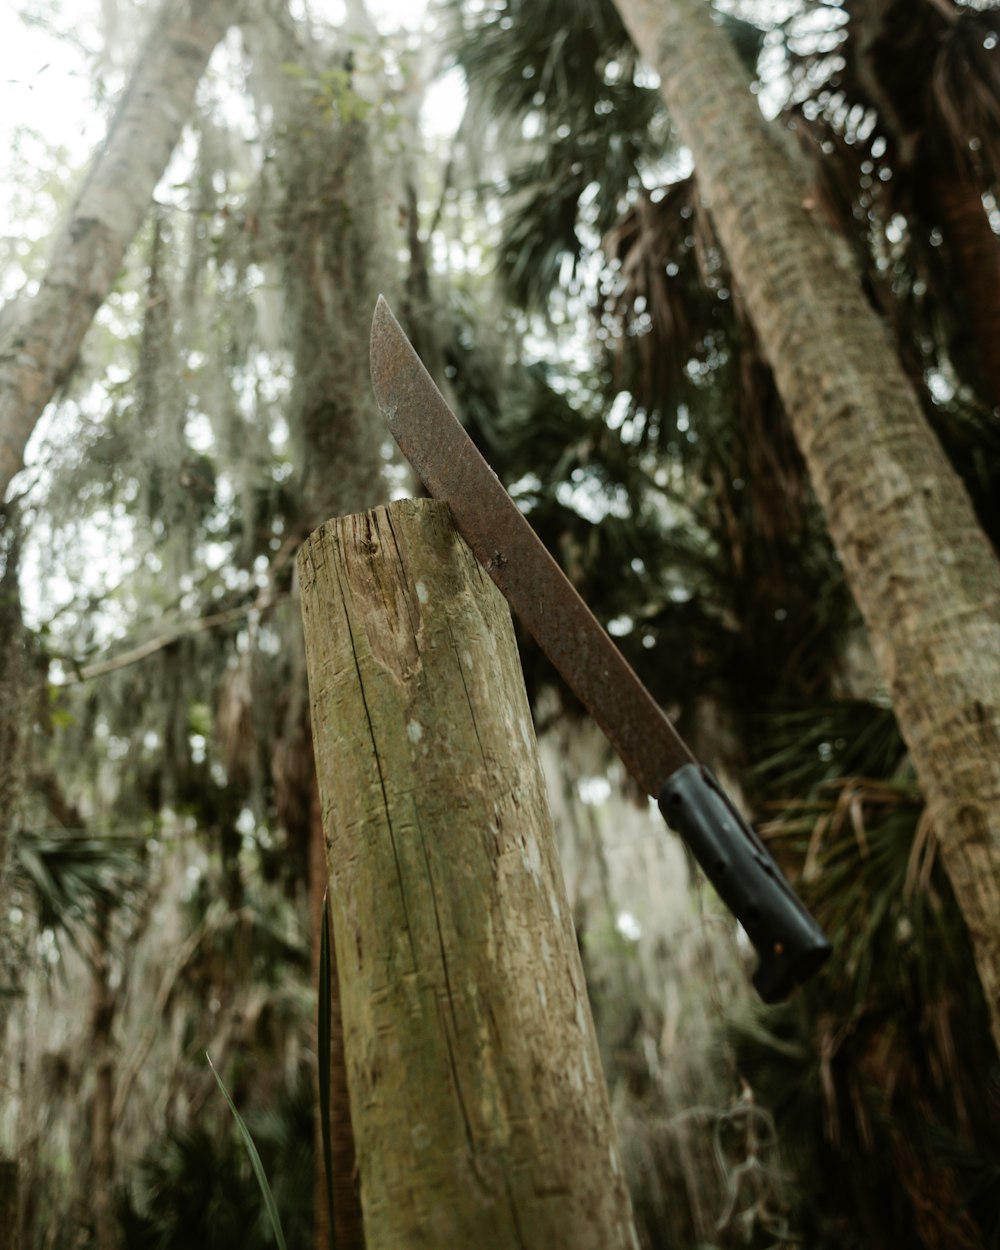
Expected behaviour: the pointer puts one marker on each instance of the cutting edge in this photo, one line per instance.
(452, 469)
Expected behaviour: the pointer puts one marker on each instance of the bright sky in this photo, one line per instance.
(45, 80)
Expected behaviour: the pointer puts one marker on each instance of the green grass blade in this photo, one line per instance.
(258, 1167)
(324, 1008)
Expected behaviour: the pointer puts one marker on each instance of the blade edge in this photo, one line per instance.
(451, 467)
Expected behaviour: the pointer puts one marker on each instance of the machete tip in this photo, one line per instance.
(381, 320)
(381, 316)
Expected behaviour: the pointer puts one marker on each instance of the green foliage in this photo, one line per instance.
(195, 1191)
(563, 70)
(199, 1189)
(625, 534)
(875, 890)
(334, 93)
(886, 1056)
(74, 878)
(715, 584)
(254, 939)
(848, 809)
(258, 1168)
(726, 563)
(803, 748)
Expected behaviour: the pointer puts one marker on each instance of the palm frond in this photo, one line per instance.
(628, 540)
(655, 298)
(801, 749)
(74, 877)
(194, 1187)
(861, 835)
(898, 109)
(553, 76)
(258, 1168)
(523, 56)
(668, 321)
(845, 807)
(965, 91)
(890, 1046)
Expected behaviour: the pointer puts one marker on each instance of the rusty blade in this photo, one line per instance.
(448, 463)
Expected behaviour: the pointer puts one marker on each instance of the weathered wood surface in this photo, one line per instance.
(480, 1112)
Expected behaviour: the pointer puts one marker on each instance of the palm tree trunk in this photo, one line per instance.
(921, 570)
(40, 336)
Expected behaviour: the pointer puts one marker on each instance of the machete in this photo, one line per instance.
(789, 943)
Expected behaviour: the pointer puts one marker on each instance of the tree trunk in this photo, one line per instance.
(479, 1107)
(41, 336)
(104, 1003)
(921, 570)
(332, 261)
(10, 1215)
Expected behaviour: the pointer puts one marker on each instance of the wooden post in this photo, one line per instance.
(480, 1112)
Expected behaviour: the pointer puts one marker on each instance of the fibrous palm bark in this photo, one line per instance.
(41, 335)
(921, 570)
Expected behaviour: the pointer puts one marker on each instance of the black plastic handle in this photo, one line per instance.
(790, 943)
